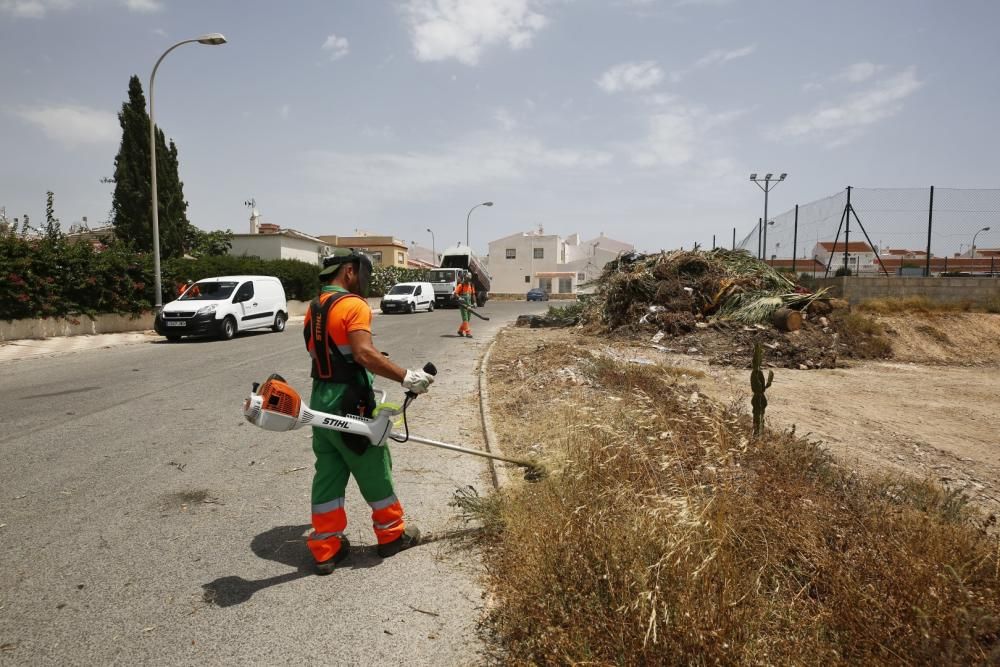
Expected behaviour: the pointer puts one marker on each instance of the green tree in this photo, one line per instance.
(130, 206)
(208, 244)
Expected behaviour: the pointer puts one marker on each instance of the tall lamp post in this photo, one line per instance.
(434, 252)
(984, 229)
(211, 39)
(766, 184)
(485, 203)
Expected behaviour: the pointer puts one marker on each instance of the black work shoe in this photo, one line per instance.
(409, 538)
(330, 564)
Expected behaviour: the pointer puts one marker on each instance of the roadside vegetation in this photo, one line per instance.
(665, 534)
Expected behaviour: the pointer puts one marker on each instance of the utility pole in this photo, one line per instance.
(766, 184)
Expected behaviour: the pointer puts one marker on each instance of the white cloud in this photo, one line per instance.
(505, 119)
(702, 3)
(356, 182)
(849, 117)
(37, 9)
(681, 134)
(859, 72)
(143, 6)
(811, 87)
(74, 125)
(462, 29)
(721, 57)
(633, 76)
(33, 9)
(712, 58)
(337, 46)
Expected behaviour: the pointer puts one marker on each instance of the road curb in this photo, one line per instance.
(499, 475)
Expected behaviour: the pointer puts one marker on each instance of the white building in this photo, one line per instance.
(522, 261)
(269, 241)
(861, 257)
(281, 244)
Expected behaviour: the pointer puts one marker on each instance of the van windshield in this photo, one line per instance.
(441, 276)
(401, 289)
(209, 290)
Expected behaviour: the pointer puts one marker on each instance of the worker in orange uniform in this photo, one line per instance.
(338, 336)
(466, 294)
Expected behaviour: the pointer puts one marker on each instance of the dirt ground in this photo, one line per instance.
(932, 411)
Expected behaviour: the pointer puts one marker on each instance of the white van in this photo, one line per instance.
(224, 306)
(408, 298)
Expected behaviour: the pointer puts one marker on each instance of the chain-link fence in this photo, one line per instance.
(892, 231)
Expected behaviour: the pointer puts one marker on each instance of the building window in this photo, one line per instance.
(580, 277)
(527, 279)
(400, 257)
(539, 253)
(511, 252)
(565, 285)
(376, 256)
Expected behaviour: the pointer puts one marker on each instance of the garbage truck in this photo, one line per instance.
(456, 263)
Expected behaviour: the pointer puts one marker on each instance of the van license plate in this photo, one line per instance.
(176, 324)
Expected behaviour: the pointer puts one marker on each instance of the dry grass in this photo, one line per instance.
(864, 337)
(913, 304)
(666, 537)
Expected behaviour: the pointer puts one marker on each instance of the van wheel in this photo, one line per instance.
(279, 322)
(228, 329)
(430, 307)
(412, 309)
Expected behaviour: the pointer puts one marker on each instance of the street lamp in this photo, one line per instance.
(984, 229)
(485, 203)
(211, 39)
(767, 184)
(434, 252)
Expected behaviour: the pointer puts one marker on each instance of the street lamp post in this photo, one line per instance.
(434, 253)
(485, 203)
(767, 184)
(984, 229)
(211, 39)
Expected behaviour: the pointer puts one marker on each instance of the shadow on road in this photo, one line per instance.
(282, 544)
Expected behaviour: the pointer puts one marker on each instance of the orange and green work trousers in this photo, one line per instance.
(335, 464)
(465, 298)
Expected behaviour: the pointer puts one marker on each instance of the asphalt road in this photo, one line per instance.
(142, 520)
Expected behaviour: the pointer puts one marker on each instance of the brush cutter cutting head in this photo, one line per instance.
(274, 406)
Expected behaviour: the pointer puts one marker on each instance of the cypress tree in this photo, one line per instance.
(130, 206)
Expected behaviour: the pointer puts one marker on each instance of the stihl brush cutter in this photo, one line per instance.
(276, 406)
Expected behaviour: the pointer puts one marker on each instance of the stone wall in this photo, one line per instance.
(855, 289)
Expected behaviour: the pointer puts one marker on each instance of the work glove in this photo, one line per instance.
(417, 381)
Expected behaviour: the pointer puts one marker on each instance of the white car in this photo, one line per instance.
(408, 298)
(224, 306)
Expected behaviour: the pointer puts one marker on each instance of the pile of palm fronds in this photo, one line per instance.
(677, 289)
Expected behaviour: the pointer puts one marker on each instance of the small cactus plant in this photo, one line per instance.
(758, 386)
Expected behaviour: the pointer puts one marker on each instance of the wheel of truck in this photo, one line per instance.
(481, 299)
(430, 307)
(228, 328)
(279, 322)
(412, 308)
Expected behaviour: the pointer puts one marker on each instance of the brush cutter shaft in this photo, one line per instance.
(472, 311)
(466, 450)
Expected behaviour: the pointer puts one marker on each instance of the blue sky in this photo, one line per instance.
(637, 118)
